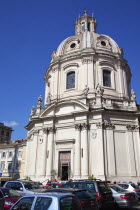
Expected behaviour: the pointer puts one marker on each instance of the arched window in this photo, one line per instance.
(88, 26)
(70, 80)
(83, 27)
(106, 78)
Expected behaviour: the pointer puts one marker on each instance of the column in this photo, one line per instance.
(84, 152)
(110, 149)
(44, 153)
(50, 153)
(77, 163)
(136, 140)
(34, 154)
(131, 152)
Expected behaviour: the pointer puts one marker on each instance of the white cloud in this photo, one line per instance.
(12, 123)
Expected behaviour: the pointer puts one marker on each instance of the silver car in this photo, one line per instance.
(24, 187)
(124, 198)
(49, 201)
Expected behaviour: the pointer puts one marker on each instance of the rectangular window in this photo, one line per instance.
(2, 165)
(3, 154)
(9, 165)
(106, 78)
(19, 153)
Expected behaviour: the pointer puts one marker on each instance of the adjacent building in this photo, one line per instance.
(12, 159)
(89, 122)
(5, 133)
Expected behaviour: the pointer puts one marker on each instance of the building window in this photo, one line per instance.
(2, 165)
(88, 26)
(3, 155)
(70, 80)
(106, 78)
(83, 27)
(7, 134)
(9, 165)
(19, 153)
(2, 133)
(10, 154)
(18, 165)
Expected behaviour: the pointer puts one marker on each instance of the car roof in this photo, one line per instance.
(68, 189)
(52, 194)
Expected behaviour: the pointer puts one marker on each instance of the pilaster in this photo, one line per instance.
(77, 163)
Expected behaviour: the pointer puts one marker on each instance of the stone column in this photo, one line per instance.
(84, 152)
(110, 149)
(77, 163)
(44, 154)
(34, 154)
(50, 153)
(131, 152)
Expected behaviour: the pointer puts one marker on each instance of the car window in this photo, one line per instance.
(117, 188)
(8, 185)
(31, 185)
(42, 203)
(24, 203)
(18, 185)
(1, 195)
(82, 195)
(134, 186)
(10, 193)
(125, 186)
(103, 187)
(91, 187)
(69, 203)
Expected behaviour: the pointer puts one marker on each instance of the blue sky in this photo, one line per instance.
(31, 29)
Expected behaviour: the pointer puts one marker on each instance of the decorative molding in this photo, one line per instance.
(132, 127)
(45, 130)
(84, 126)
(109, 126)
(70, 64)
(99, 125)
(78, 126)
(87, 60)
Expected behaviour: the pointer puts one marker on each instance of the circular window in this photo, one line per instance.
(103, 43)
(73, 45)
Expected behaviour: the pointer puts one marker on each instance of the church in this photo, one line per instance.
(89, 123)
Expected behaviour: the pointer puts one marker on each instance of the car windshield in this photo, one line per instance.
(134, 186)
(31, 185)
(116, 188)
(10, 193)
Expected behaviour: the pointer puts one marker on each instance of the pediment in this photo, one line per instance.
(65, 108)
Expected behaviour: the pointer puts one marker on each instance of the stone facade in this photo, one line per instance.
(89, 122)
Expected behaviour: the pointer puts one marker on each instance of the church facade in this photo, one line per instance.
(89, 124)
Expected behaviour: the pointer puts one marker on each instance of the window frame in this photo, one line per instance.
(68, 73)
(104, 81)
(112, 77)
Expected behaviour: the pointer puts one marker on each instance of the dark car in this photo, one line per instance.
(11, 197)
(87, 201)
(124, 198)
(99, 189)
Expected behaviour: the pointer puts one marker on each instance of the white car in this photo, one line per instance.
(131, 187)
(49, 201)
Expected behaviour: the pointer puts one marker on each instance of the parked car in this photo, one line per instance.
(99, 189)
(2, 200)
(87, 201)
(49, 201)
(23, 187)
(54, 184)
(11, 197)
(131, 187)
(124, 198)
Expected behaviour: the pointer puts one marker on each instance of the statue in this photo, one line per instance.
(99, 90)
(133, 95)
(39, 101)
(86, 90)
(49, 98)
(32, 110)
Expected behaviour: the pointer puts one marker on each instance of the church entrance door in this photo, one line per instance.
(64, 165)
